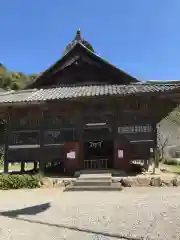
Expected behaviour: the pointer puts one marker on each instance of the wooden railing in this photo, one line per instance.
(144, 163)
(35, 124)
(139, 162)
(96, 163)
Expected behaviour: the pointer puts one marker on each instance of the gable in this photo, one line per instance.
(81, 66)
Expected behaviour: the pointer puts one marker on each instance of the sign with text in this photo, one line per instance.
(135, 129)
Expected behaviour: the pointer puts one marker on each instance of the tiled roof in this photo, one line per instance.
(73, 92)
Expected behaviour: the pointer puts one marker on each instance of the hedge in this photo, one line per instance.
(8, 181)
(171, 161)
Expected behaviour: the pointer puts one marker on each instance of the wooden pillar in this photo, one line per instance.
(155, 152)
(113, 123)
(42, 154)
(6, 140)
(81, 147)
(80, 128)
(35, 166)
(22, 167)
(154, 111)
(6, 163)
(146, 162)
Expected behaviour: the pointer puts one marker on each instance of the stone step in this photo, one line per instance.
(95, 171)
(93, 182)
(95, 177)
(93, 188)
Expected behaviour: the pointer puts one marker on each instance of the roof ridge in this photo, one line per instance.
(76, 43)
(106, 61)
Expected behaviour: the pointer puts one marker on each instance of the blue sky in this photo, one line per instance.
(142, 37)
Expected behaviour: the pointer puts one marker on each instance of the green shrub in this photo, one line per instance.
(8, 181)
(171, 161)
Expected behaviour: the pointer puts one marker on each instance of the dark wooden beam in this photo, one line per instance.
(6, 140)
(155, 148)
(80, 129)
(22, 167)
(35, 166)
(41, 154)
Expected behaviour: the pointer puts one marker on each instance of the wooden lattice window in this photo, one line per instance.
(59, 136)
(25, 117)
(24, 138)
(134, 129)
(54, 118)
(96, 133)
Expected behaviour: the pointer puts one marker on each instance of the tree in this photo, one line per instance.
(168, 132)
(162, 143)
(14, 80)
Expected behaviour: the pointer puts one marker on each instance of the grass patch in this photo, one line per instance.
(171, 166)
(174, 168)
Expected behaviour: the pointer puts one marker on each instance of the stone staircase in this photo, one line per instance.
(94, 182)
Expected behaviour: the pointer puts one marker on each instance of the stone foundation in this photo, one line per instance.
(154, 181)
(138, 181)
(55, 183)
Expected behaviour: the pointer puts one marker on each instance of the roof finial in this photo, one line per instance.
(78, 35)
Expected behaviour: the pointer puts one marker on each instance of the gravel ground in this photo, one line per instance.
(133, 213)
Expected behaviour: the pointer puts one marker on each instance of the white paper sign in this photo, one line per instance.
(120, 153)
(71, 155)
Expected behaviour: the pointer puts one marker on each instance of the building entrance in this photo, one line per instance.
(98, 154)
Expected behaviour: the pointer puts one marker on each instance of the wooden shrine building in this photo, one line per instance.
(84, 113)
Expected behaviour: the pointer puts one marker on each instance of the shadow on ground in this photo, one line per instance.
(43, 207)
(33, 210)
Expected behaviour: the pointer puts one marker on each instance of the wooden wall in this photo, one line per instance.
(64, 115)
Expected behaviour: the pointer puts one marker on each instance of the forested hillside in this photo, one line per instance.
(13, 80)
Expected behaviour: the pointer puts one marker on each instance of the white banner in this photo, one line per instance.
(71, 155)
(120, 153)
